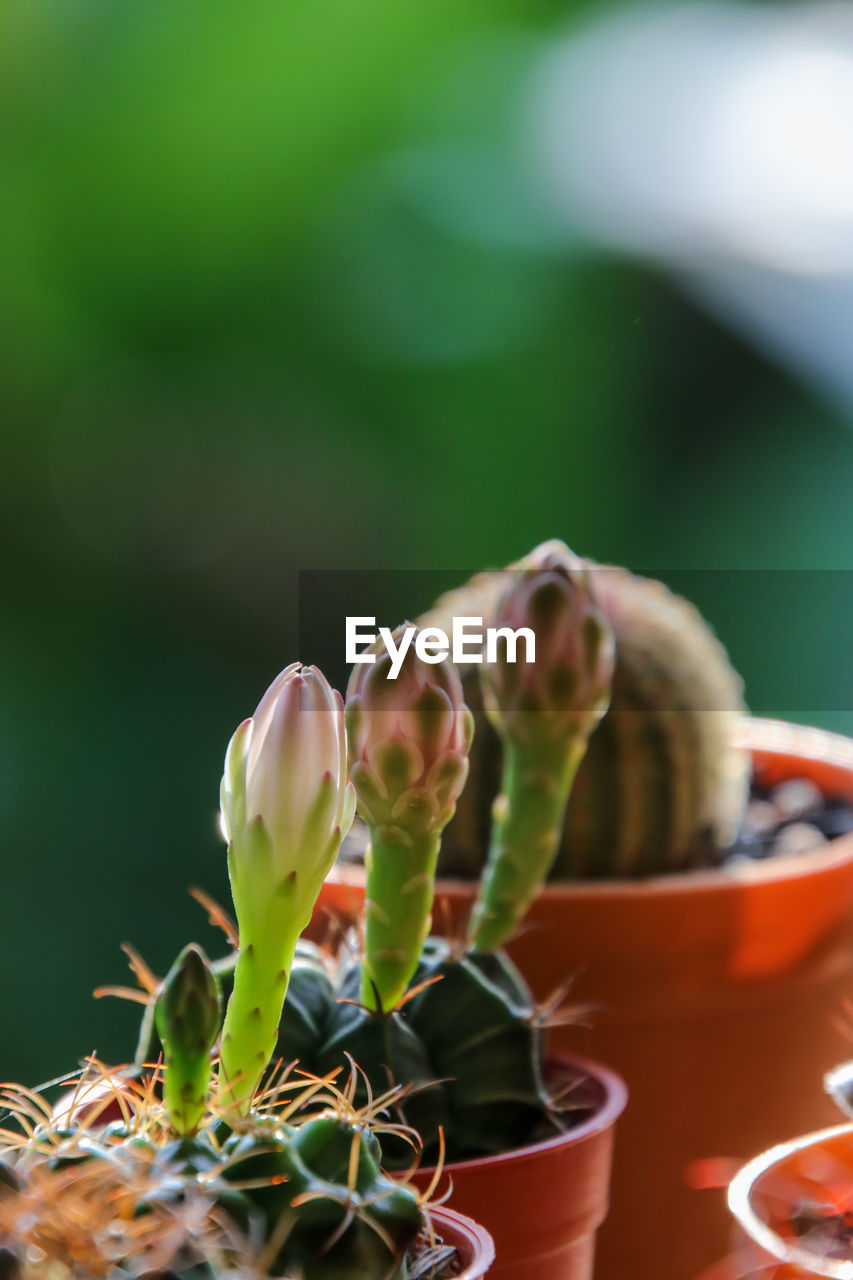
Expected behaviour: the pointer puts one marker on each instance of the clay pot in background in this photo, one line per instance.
(718, 998)
(544, 1203)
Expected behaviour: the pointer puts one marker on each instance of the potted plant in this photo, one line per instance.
(205, 1163)
(526, 1138)
(155, 1175)
(708, 978)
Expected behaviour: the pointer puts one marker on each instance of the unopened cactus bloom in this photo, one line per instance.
(286, 805)
(566, 689)
(188, 1014)
(408, 749)
(544, 711)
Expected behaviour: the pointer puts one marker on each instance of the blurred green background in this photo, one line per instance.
(279, 290)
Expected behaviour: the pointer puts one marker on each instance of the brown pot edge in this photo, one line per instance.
(604, 1118)
(478, 1247)
(761, 736)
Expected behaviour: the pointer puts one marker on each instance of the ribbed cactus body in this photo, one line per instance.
(307, 1200)
(467, 1043)
(663, 786)
(322, 1190)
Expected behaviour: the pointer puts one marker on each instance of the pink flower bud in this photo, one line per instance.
(567, 686)
(408, 739)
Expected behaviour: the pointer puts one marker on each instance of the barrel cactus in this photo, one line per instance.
(283, 1194)
(467, 1041)
(663, 785)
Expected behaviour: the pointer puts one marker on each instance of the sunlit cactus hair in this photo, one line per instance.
(102, 1185)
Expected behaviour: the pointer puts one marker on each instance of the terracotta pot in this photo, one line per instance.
(475, 1249)
(544, 1203)
(718, 996)
(817, 1169)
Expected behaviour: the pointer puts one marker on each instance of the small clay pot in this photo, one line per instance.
(544, 1203)
(475, 1249)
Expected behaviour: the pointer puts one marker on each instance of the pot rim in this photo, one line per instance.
(476, 1235)
(603, 1118)
(756, 734)
(740, 1206)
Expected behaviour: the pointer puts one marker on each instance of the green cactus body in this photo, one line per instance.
(188, 1013)
(389, 1051)
(467, 1043)
(322, 1189)
(307, 1199)
(663, 786)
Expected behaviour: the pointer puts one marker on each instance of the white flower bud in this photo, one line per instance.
(285, 777)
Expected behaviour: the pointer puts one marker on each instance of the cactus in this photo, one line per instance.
(458, 1031)
(285, 1194)
(322, 1189)
(188, 1016)
(663, 786)
(544, 711)
(408, 750)
(467, 1040)
(285, 807)
(192, 1167)
(468, 1043)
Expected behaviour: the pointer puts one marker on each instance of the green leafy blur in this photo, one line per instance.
(279, 291)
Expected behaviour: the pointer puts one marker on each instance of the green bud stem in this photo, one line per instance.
(527, 825)
(185, 1085)
(270, 926)
(249, 1034)
(400, 890)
